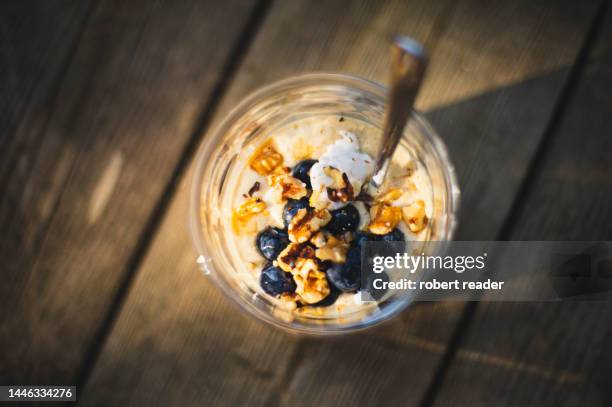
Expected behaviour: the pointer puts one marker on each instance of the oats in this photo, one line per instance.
(265, 160)
(411, 167)
(302, 150)
(384, 218)
(414, 216)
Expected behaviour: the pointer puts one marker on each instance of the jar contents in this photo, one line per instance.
(300, 215)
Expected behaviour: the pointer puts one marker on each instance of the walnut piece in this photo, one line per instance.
(414, 216)
(299, 260)
(242, 215)
(334, 250)
(336, 175)
(311, 283)
(265, 160)
(289, 187)
(315, 200)
(384, 218)
(341, 190)
(306, 222)
(319, 239)
(294, 253)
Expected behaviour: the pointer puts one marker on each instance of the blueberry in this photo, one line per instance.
(345, 219)
(272, 241)
(292, 207)
(301, 171)
(363, 237)
(275, 281)
(347, 277)
(376, 293)
(395, 235)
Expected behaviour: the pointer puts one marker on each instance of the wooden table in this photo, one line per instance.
(103, 104)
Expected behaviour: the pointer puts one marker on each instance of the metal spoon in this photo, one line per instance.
(408, 62)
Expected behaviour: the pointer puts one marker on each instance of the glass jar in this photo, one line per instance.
(271, 107)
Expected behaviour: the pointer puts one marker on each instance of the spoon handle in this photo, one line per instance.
(408, 63)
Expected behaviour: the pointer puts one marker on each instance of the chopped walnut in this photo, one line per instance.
(311, 283)
(384, 218)
(336, 175)
(341, 190)
(265, 160)
(334, 250)
(319, 239)
(414, 216)
(315, 200)
(306, 222)
(293, 254)
(289, 187)
(245, 212)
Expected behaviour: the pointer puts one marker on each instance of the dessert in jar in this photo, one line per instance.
(299, 213)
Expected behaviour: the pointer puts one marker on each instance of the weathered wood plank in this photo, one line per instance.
(553, 353)
(127, 107)
(492, 137)
(226, 357)
(37, 41)
(486, 85)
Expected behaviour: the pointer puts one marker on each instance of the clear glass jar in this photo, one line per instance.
(269, 108)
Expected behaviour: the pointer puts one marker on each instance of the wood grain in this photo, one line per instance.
(491, 93)
(553, 353)
(37, 41)
(207, 341)
(127, 106)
